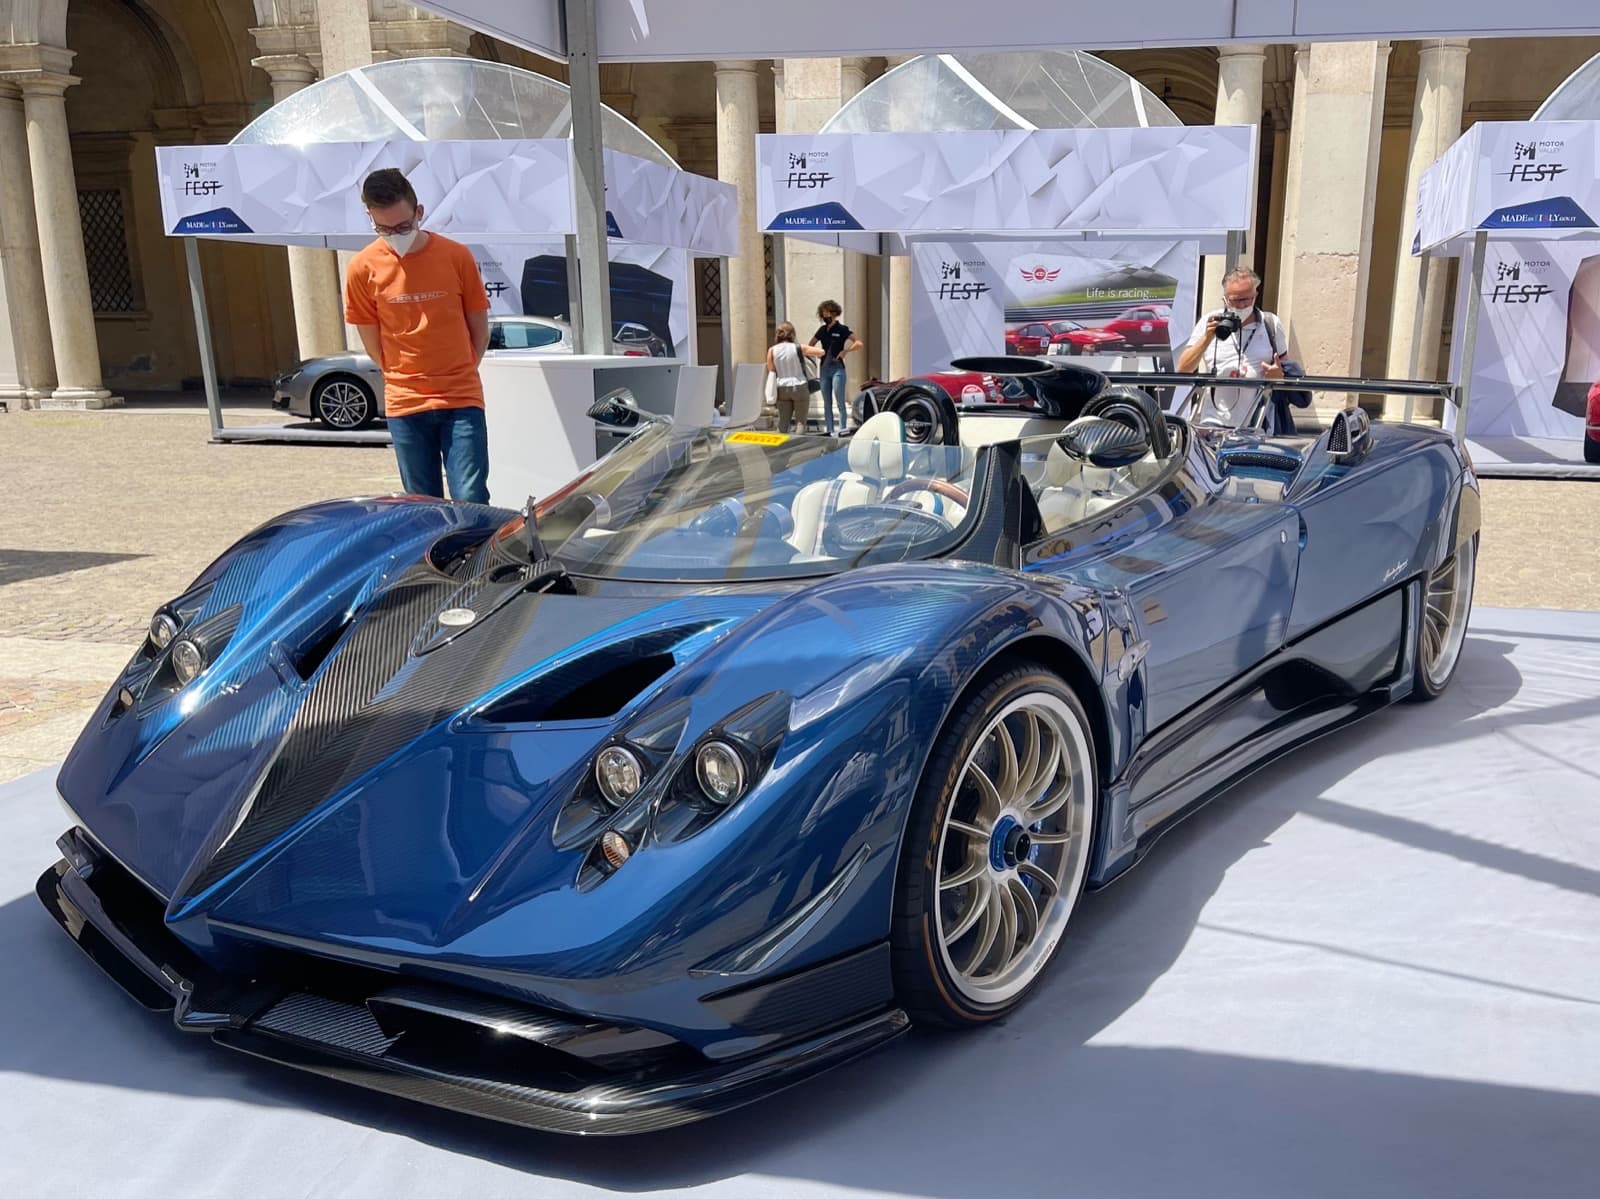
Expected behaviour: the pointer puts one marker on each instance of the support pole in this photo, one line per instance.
(574, 293)
(588, 178)
(780, 296)
(202, 331)
(1469, 339)
(885, 302)
(1416, 335)
(727, 337)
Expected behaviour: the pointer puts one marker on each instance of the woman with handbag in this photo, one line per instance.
(786, 362)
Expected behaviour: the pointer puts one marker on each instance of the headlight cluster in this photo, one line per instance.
(179, 645)
(641, 788)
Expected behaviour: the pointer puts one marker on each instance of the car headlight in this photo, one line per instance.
(719, 768)
(619, 774)
(187, 661)
(162, 630)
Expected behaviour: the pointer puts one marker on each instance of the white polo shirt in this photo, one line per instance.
(1245, 356)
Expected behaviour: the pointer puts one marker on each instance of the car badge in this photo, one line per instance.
(457, 617)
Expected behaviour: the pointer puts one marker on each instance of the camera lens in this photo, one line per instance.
(1227, 325)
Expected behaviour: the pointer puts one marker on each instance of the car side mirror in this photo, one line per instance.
(619, 410)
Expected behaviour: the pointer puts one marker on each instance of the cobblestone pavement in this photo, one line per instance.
(103, 515)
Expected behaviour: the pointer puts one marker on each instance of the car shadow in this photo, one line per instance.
(1040, 1103)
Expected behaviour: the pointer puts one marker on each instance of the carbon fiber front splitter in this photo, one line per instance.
(344, 1038)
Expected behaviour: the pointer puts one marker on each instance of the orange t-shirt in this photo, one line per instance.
(420, 305)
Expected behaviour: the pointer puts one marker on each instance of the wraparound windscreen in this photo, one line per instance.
(474, 191)
(1177, 181)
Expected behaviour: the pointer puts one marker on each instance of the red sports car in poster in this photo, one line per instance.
(1143, 326)
(1037, 337)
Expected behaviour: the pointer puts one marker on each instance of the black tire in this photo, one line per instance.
(344, 402)
(929, 415)
(1431, 676)
(1591, 449)
(924, 982)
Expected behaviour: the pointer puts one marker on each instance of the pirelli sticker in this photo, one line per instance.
(752, 438)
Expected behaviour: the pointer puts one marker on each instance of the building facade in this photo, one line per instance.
(95, 298)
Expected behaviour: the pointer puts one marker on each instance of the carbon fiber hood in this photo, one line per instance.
(195, 813)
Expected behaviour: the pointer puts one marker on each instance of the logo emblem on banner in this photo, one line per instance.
(1039, 274)
(1531, 162)
(953, 287)
(1510, 289)
(807, 171)
(196, 181)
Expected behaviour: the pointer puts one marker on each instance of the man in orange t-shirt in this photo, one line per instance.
(419, 303)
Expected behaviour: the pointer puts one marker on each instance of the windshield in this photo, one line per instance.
(673, 504)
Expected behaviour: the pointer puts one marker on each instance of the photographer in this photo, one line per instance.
(1240, 341)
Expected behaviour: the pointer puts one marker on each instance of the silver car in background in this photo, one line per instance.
(345, 391)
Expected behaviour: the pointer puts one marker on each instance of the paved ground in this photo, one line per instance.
(103, 515)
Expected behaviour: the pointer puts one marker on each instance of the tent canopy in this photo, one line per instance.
(640, 30)
(437, 99)
(1049, 89)
(1512, 180)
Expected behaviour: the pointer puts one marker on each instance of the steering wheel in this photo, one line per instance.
(938, 486)
(884, 528)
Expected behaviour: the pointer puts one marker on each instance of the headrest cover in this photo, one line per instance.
(877, 449)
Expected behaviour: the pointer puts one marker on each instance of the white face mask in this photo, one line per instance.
(1241, 313)
(401, 243)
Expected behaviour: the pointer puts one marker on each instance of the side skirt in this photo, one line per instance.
(1335, 675)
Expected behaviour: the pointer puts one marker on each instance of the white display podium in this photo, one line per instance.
(536, 409)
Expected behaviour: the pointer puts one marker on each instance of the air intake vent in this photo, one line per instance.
(1339, 438)
(1349, 435)
(594, 686)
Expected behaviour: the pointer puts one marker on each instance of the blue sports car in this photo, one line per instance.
(739, 755)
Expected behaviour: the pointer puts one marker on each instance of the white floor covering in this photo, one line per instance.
(1371, 970)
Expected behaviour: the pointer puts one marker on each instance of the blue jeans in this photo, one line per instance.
(833, 393)
(453, 437)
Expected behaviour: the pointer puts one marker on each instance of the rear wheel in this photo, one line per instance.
(1442, 629)
(996, 851)
(344, 402)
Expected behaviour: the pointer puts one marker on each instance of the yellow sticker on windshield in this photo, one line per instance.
(749, 438)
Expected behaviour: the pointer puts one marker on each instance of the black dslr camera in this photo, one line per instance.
(1227, 325)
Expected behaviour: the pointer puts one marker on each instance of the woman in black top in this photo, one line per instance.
(836, 340)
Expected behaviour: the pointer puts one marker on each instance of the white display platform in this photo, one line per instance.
(536, 408)
(1369, 971)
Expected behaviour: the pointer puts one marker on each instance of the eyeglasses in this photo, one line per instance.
(399, 230)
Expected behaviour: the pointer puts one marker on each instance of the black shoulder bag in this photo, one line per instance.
(1285, 397)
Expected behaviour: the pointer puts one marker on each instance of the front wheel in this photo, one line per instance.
(344, 403)
(1446, 605)
(996, 851)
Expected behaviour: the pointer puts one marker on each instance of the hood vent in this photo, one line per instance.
(596, 685)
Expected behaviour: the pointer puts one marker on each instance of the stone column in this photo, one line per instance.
(313, 274)
(29, 373)
(738, 117)
(858, 306)
(66, 274)
(1435, 124)
(1338, 113)
(344, 28)
(1240, 70)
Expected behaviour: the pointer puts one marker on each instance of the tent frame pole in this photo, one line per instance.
(202, 332)
(588, 177)
(1469, 339)
(884, 301)
(1416, 333)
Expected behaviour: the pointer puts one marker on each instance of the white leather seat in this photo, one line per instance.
(877, 461)
(1072, 491)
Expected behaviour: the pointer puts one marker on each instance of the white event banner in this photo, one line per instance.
(471, 190)
(266, 193)
(1173, 181)
(1102, 297)
(1522, 180)
(1538, 348)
